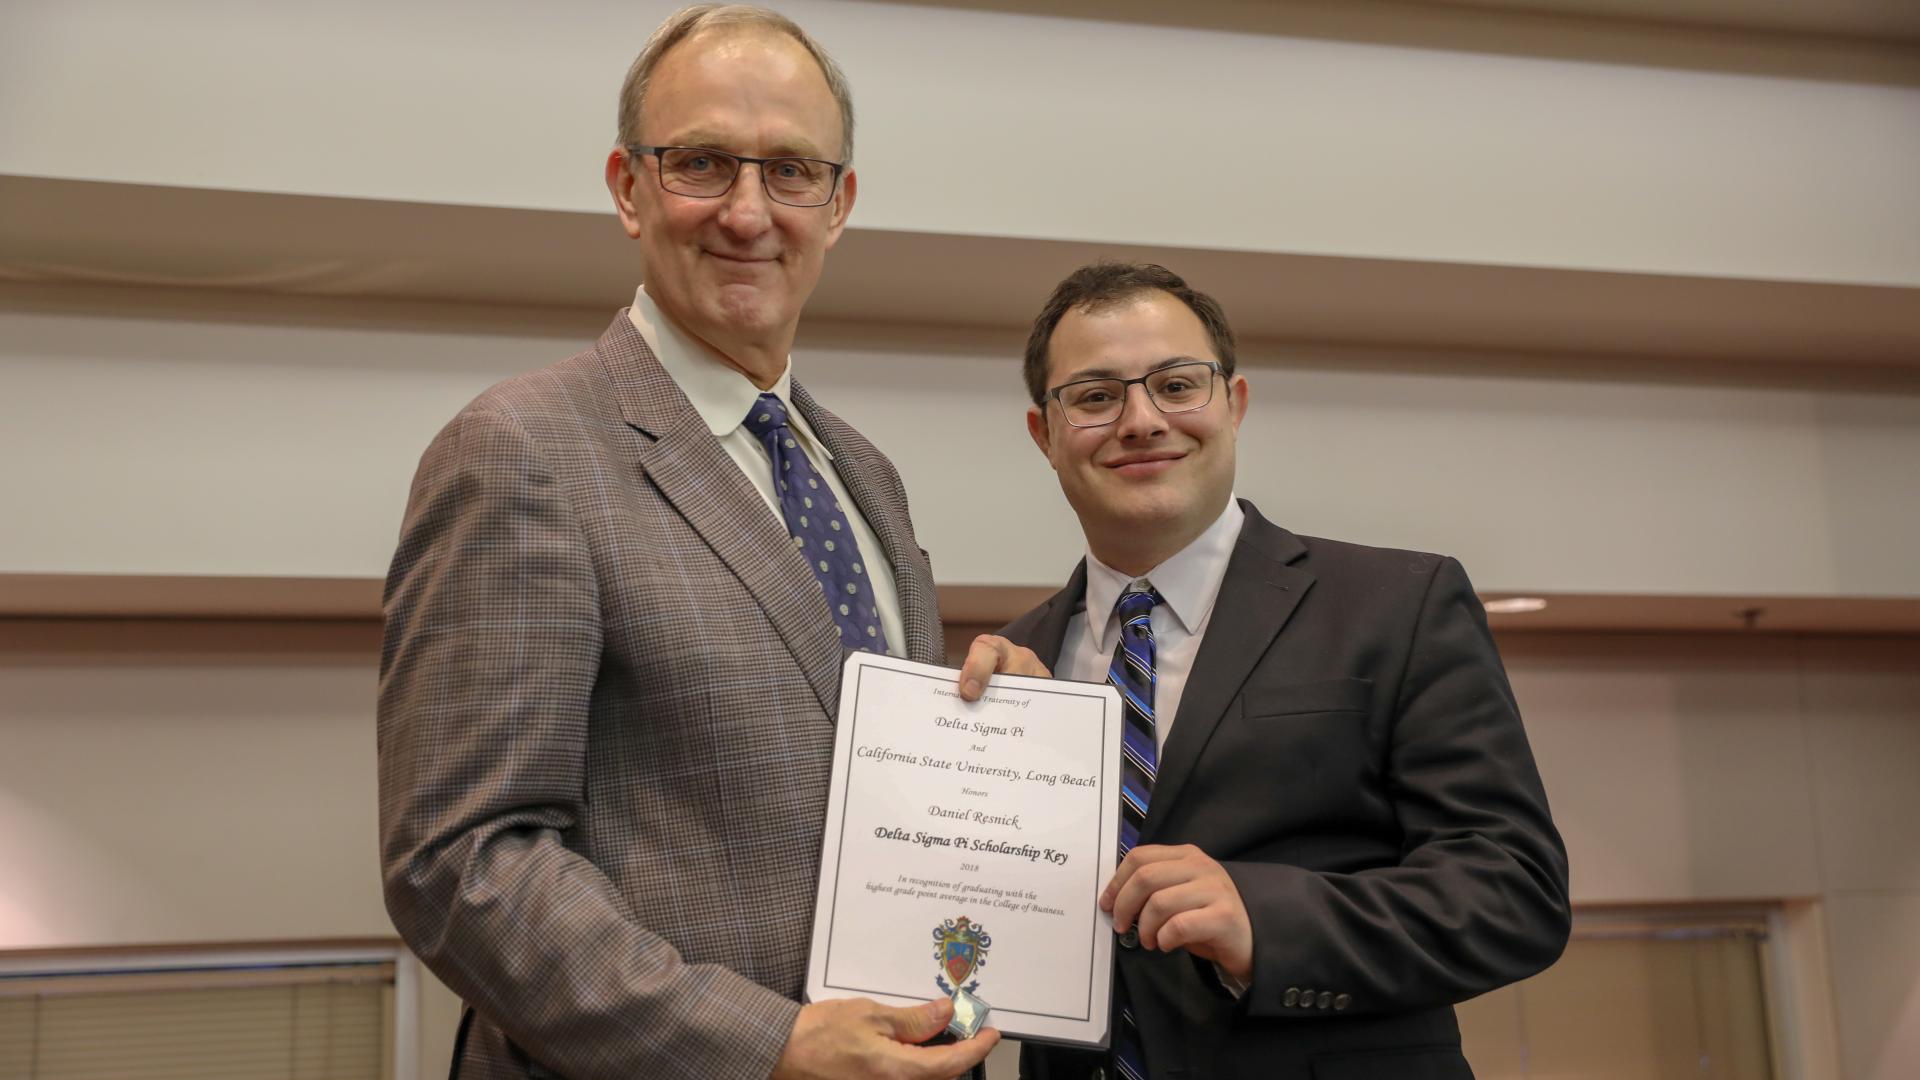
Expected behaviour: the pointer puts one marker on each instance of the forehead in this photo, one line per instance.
(751, 88)
(1126, 339)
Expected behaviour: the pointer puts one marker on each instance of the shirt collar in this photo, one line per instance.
(1188, 582)
(717, 390)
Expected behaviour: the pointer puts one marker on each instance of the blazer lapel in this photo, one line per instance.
(1050, 632)
(693, 471)
(1257, 597)
(913, 581)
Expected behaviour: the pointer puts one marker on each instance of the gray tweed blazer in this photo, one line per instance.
(606, 709)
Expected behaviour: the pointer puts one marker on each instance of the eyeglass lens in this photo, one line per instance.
(1180, 388)
(708, 173)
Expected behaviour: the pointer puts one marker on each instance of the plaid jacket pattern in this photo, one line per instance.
(606, 706)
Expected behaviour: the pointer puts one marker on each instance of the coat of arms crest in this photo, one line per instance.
(960, 947)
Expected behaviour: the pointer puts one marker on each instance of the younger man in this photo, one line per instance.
(1332, 824)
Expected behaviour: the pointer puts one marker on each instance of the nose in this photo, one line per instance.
(1139, 416)
(745, 209)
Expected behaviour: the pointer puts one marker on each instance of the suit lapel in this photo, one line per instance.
(694, 473)
(1257, 597)
(919, 605)
(1049, 634)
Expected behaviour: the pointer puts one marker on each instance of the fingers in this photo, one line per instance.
(984, 658)
(1219, 931)
(1190, 900)
(861, 1037)
(1140, 888)
(1123, 873)
(918, 1023)
(1021, 660)
(1180, 898)
(1125, 904)
(992, 653)
(951, 1060)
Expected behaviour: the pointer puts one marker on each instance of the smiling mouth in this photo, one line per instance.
(743, 260)
(1146, 466)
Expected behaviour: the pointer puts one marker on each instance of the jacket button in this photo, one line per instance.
(1130, 939)
(1292, 997)
(1306, 999)
(1342, 1001)
(1325, 999)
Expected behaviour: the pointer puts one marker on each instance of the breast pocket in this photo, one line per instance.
(1299, 699)
(1310, 739)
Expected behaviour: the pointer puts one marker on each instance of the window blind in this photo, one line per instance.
(1644, 996)
(285, 1022)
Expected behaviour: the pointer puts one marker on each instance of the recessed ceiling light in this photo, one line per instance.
(1516, 605)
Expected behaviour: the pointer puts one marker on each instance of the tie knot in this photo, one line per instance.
(767, 414)
(1135, 603)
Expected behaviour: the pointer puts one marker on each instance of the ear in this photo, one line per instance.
(1038, 431)
(1237, 399)
(620, 181)
(842, 206)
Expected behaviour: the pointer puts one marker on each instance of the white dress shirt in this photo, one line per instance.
(723, 396)
(1188, 584)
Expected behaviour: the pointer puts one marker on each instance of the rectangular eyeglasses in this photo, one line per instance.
(1176, 388)
(700, 173)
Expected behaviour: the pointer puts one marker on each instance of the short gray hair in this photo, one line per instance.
(688, 21)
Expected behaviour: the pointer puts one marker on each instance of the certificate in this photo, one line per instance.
(967, 844)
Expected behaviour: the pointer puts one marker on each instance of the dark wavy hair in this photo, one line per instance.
(1106, 283)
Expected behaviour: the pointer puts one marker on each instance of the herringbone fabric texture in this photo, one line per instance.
(606, 724)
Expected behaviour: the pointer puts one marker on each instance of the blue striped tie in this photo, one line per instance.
(1132, 674)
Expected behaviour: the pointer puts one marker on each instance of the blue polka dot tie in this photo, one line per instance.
(819, 528)
(1131, 673)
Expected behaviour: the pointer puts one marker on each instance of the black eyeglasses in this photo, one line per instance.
(1176, 388)
(699, 173)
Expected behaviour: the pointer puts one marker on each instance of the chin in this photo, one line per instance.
(747, 312)
(1140, 510)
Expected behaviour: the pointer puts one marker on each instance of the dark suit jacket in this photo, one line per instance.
(1348, 748)
(606, 724)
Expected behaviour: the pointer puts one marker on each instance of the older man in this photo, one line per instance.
(615, 623)
(1332, 825)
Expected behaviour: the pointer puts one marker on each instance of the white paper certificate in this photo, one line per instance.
(967, 844)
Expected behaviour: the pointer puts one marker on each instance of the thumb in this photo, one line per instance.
(919, 1023)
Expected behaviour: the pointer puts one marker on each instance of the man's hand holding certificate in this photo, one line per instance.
(966, 847)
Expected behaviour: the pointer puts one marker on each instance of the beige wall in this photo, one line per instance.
(228, 434)
(215, 782)
(208, 782)
(1349, 128)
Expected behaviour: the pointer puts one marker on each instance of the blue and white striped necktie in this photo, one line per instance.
(1131, 673)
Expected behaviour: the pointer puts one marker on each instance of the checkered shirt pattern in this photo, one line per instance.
(606, 715)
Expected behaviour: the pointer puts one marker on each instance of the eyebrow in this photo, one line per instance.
(709, 140)
(1108, 373)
